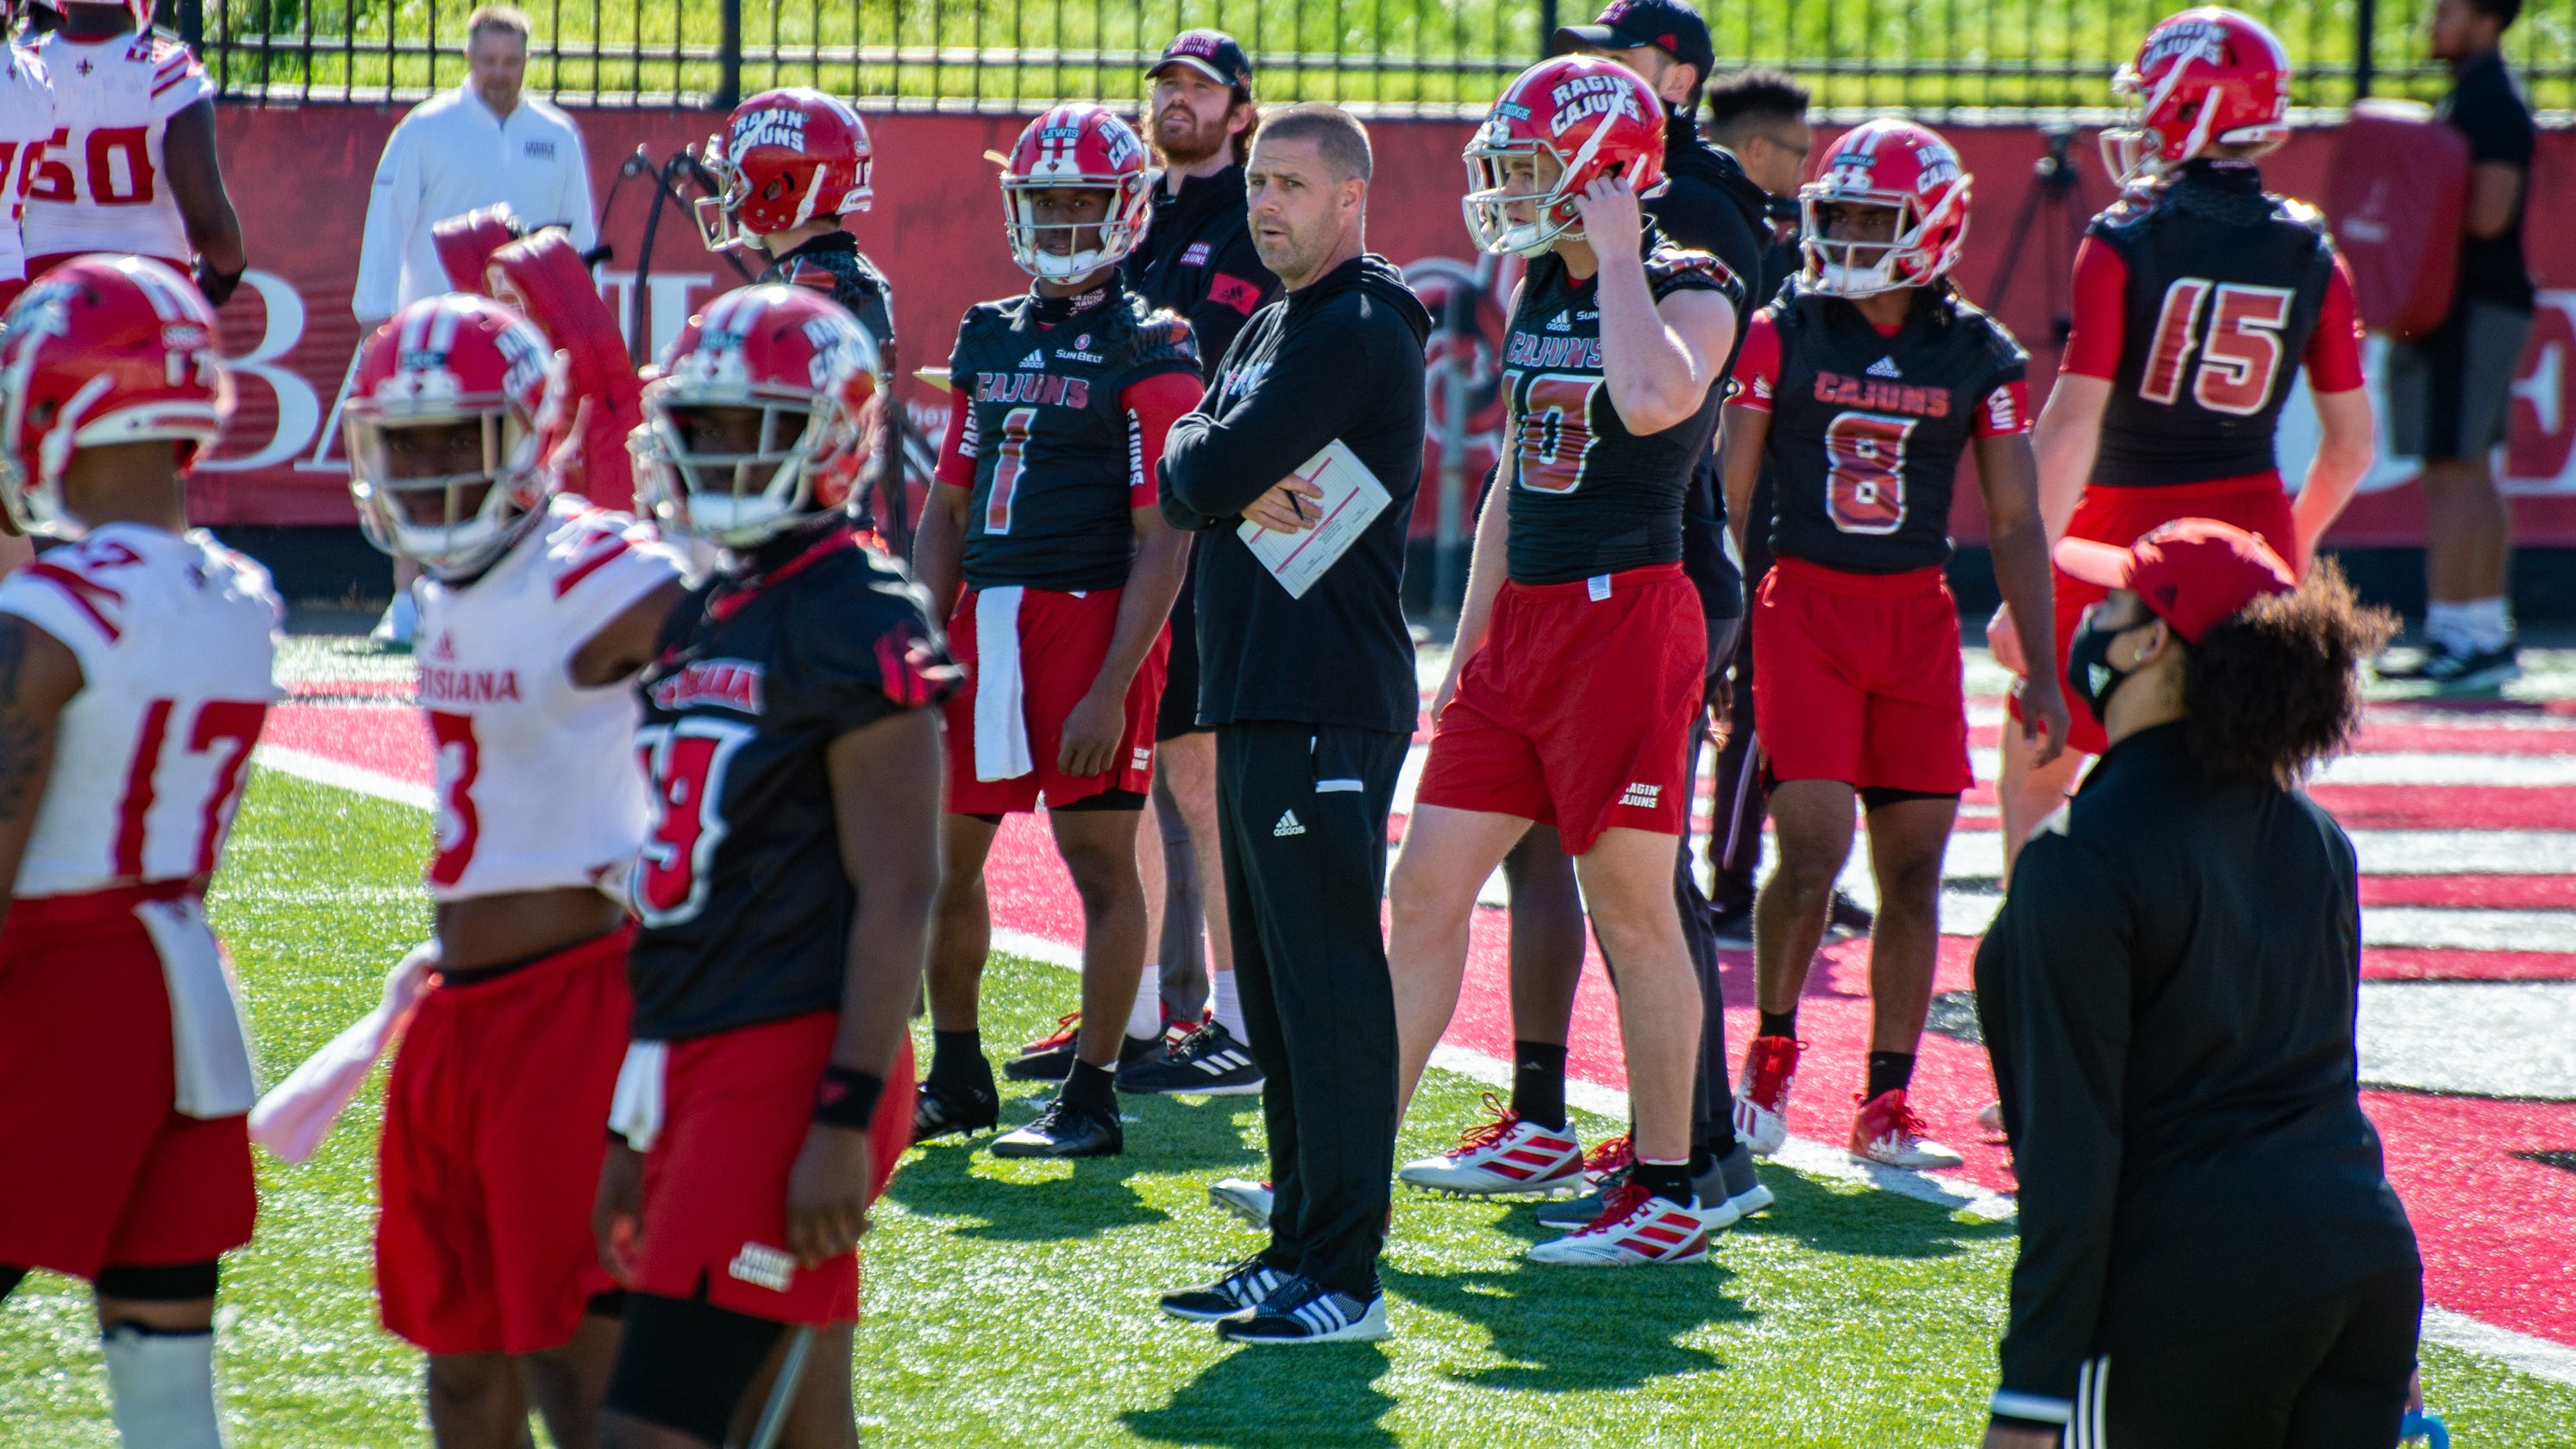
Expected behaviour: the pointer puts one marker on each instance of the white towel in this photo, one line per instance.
(209, 1041)
(635, 1112)
(299, 1112)
(1001, 723)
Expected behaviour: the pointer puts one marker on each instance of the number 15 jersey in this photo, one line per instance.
(1587, 496)
(1867, 426)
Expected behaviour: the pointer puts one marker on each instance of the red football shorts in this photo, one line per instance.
(1063, 640)
(1578, 709)
(2122, 516)
(101, 1171)
(1860, 679)
(495, 1121)
(735, 1109)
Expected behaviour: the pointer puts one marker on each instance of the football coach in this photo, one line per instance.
(2211, 1254)
(1313, 699)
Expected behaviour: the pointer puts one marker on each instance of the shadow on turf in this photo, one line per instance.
(1864, 1223)
(1278, 1398)
(1164, 1136)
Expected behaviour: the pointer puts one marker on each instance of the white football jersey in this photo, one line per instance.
(100, 187)
(538, 786)
(177, 643)
(26, 122)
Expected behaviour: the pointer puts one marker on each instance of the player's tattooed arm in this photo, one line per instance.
(628, 642)
(38, 677)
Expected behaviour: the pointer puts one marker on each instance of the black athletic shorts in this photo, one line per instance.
(1179, 712)
(2451, 390)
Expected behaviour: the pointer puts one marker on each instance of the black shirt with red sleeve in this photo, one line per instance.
(1867, 426)
(1058, 415)
(2198, 299)
(2488, 106)
(745, 904)
(1587, 496)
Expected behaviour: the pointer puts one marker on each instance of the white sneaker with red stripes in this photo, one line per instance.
(1506, 1155)
(1636, 1227)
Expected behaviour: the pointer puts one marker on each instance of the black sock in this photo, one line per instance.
(1668, 1180)
(1137, 1048)
(1701, 1160)
(1094, 1089)
(1538, 1084)
(957, 1060)
(1888, 1072)
(1780, 1023)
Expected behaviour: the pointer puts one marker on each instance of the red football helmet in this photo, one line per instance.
(1593, 117)
(2210, 76)
(97, 352)
(786, 157)
(1076, 145)
(763, 415)
(448, 500)
(1907, 169)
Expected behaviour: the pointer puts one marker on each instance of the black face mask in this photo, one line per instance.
(2089, 671)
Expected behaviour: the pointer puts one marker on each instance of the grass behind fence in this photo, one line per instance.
(1936, 57)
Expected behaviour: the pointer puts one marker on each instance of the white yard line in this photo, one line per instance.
(347, 777)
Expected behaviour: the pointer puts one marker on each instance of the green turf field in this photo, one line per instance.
(1011, 1304)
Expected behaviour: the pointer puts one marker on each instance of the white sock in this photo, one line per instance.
(1145, 1018)
(162, 1386)
(2447, 626)
(1229, 1003)
(2490, 623)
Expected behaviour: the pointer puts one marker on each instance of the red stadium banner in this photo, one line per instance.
(300, 178)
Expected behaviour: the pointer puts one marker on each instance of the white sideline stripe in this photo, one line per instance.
(2424, 928)
(346, 777)
(2535, 1356)
(2411, 767)
(1979, 854)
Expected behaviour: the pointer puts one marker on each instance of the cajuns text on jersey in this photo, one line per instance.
(1587, 496)
(1867, 427)
(745, 904)
(536, 782)
(1058, 459)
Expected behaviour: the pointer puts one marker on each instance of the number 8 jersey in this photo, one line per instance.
(1867, 427)
(177, 640)
(1587, 496)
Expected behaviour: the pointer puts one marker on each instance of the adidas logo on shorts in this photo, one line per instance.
(1288, 825)
(1884, 367)
(763, 1266)
(1035, 359)
(1644, 797)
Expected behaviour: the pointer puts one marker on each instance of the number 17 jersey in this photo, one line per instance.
(1588, 497)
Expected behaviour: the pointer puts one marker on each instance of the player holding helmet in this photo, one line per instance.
(1577, 676)
(135, 670)
(1045, 547)
(534, 608)
(1864, 383)
(2198, 295)
(133, 166)
(787, 874)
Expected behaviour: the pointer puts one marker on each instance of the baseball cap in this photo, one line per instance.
(1212, 53)
(2193, 573)
(1670, 26)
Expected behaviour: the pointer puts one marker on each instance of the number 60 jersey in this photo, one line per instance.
(1867, 427)
(177, 639)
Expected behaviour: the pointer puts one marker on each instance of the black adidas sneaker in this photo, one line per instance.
(940, 1111)
(1208, 1062)
(1305, 1311)
(1244, 1287)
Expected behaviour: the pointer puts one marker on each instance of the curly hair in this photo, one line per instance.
(2277, 687)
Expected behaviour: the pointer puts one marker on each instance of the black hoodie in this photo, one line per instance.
(1341, 358)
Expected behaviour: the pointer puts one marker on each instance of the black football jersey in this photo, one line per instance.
(1587, 496)
(1054, 462)
(2225, 284)
(1866, 430)
(833, 265)
(745, 905)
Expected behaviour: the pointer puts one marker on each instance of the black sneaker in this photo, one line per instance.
(1050, 1058)
(1848, 918)
(1305, 1311)
(1208, 1062)
(1244, 1287)
(940, 1111)
(1731, 1179)
(1733, 926)
(2461, 671)
(1065, 1130)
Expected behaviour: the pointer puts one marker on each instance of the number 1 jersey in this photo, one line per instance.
(101, 186)
(537, 785)
(177, 642)
(745, 901)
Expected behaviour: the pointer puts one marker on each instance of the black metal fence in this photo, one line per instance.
(1945, 59)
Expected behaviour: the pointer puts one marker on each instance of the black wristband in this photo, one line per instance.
(847, 1098)
(217, 286)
